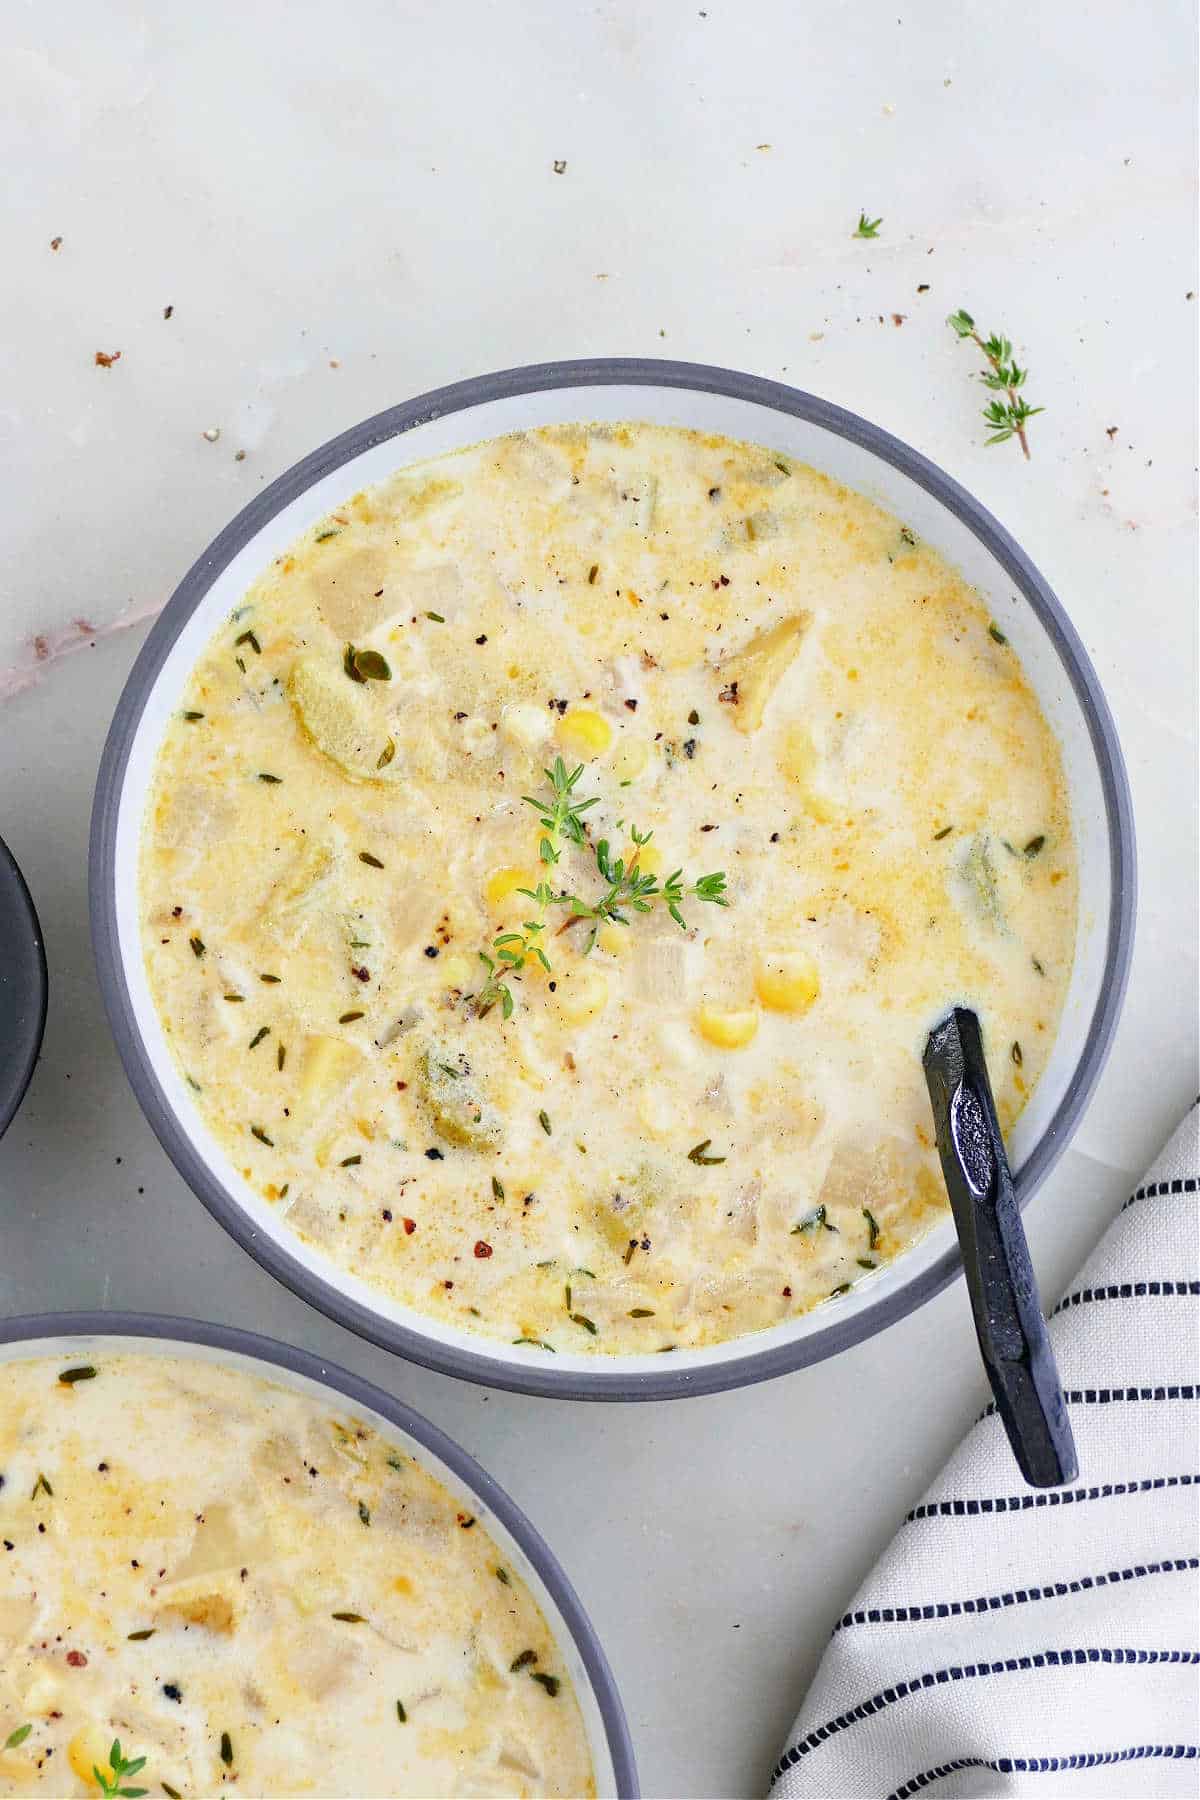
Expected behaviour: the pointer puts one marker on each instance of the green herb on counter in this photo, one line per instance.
(867, 228)
(1006, 418)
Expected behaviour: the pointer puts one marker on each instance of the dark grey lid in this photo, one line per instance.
(22, 987)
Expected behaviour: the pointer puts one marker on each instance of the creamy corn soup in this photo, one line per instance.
(244, 1589)
(556, 863)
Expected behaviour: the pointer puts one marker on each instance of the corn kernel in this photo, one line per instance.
(629, 759)
(458, 970)
(728, 1028)
(648, 857)
(585, 733)
(582, 994)
(658, 1110)
(502, 885)
(614, 940)
(87, 1749)
(787, 981)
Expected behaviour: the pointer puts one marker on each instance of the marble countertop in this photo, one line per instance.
(286, 218)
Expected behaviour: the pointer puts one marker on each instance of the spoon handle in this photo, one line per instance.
(1013, 1339)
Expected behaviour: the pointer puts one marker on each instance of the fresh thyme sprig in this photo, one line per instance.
(118, 1771)
(1006, 418)
(628, 890)
(561, 815)
(513, 950)
(868, 228)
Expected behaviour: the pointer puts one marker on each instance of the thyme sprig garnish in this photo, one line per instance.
(867, 228)
(1006, 418)
(628, 889)
(561, 815)
(120, 1770)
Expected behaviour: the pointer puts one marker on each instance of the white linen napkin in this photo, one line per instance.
(1022, 1641)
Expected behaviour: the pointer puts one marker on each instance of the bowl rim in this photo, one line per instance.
(484, 1365)
(235, 1340)
(25, 1025)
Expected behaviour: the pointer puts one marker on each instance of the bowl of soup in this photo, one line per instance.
(537, 838)
(227, 1562)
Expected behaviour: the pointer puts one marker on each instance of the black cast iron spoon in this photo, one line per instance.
(1012, 1333)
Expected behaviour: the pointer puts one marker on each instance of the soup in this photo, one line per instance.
(244, 1588)
(554, 868)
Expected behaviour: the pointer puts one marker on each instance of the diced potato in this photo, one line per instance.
(343, 720)
(309, 869)
(43, 1691)
(648, 857)
(346, 588)
(787, 981)
(584, 733)
(210, 1611)
(799, 760)
(729, 1028)
(581, 994)
(751, 676)
(629, 759)
(328, 1064)
(525, 724)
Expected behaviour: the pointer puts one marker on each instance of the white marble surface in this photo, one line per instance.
(347, 206)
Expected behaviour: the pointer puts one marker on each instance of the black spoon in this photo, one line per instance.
(1008, 1316)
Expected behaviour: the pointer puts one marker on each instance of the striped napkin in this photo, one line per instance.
(1015, 1641)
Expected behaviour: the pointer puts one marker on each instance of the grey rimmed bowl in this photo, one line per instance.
(76, 1336)
(708, 399)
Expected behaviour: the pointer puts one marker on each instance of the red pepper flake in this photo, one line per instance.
(787, 1293)
(56, 243)
(729, 695)
(482, 1249)
(362, 974)
(76, 1659)
(410, 1225)
(106, 358)
(899, 318)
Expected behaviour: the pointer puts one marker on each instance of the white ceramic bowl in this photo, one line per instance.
(738, 406)
(90, 1336)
